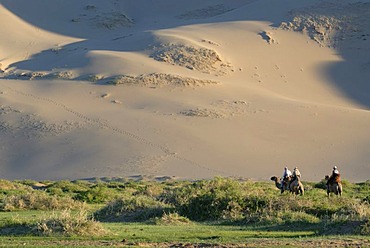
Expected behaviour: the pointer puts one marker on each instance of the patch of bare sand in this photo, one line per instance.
(22, 125)
(224, 109)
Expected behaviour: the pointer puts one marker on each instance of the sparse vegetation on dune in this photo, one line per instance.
(102, 206)
(159, 80)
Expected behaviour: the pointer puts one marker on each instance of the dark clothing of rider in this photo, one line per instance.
(335, 176)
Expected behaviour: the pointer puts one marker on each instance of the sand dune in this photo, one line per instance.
(184, 89)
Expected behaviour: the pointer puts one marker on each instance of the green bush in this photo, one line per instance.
(98, 194)
(67, 188)
(37, 200)
(321, 184)
(12, 188)
(220, 199)
(132, 208)
(211, 200)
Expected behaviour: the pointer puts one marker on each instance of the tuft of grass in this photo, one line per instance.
(171, 219)
(67, 223)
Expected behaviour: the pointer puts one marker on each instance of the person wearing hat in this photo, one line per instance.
(296, 173)
(335, 176)
(335, 171)
(286, 174)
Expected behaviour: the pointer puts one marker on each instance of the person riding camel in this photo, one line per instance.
(286, 175)
(296, 174)
(335, 176)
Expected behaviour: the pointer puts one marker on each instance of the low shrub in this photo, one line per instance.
(220, 199)
(68, 223)
(171, 219)
(286, 217)
(37, 200)
(154, 190)
(98, 194)
(132, 208)
(364, 228)
(67, 188)
(6, 185)
(289, 217)
(321, 184)
(212, 200)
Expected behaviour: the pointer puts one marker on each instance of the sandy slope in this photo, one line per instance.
(193, 90)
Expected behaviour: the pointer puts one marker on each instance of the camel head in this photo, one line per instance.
(277, 181)
(274, 178)
(326, 177)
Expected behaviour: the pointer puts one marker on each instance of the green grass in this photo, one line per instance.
(138, 234)
(217, 211)
(196, 233)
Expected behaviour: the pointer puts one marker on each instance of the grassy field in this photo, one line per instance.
(212, 213)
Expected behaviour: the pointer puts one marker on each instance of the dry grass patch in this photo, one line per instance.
(172, 219)
(67, 223)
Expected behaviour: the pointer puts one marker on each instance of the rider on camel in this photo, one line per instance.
(335, 176)
(286, 175)
(296, 174)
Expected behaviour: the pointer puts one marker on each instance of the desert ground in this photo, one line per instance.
(187, 89)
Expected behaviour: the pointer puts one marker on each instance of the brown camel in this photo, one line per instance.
(278, 184)
(295, 186)
(334, 186)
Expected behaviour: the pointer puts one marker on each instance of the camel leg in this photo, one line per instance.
(301, 191)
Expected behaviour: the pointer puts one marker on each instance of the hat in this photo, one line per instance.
(335, 167)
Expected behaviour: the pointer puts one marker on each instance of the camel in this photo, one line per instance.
(295, 187)
(333, 187)
(278, 184)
